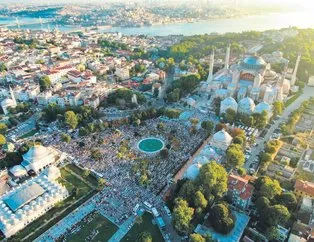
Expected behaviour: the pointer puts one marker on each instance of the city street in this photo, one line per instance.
(307, 93)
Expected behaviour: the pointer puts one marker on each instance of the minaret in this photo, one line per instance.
(211, 67)
(12, 95)
(294, 75)
(227, 58)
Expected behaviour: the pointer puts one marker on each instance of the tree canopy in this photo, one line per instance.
(234, 156)
(213, 179)
(44, 83)
(71, 119)
(182, 216)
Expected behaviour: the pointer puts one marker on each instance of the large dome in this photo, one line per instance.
(253, 63)
(36, 153)
(262, 107)
(246, 106)
(227, 103)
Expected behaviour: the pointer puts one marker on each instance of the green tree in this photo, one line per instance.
(287, 199)
(241, 171)
(145, 237)
(182, 216)
(71, 119)
(262, 204)
(278, 108)
(66, 138)
(187, 191)
(197, 238)
(267, 187)
(3, 128)
(207, 125)
(200, 200)
(44, 83)
(260, 119)
(276, 214)
(221, 218)
(213, 179)
(230, 115)
(272, 233)
(266, 158)
(234, 156)
(2, 139)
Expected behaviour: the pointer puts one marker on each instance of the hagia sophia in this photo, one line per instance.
(246, 83)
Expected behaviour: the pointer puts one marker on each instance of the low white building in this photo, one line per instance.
(30, 200)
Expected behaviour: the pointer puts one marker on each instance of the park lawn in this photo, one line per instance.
(82, 187)
(69, 181)
(146, 225)
(105, 228)
(91, 179)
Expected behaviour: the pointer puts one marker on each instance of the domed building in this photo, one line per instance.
(261, 107)
(18, 171)
(255, 63)
(28, 201)
(244, 79)
(201, 159)
(39, 157)
(228, 103)
(193, 171)
(221, 140)
(8, 103)
(246, 106)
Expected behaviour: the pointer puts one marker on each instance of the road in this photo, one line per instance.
(307, 93)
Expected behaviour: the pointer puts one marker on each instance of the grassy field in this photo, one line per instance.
(69, 181)
(79, 171)
(144, 224)
(94, 227)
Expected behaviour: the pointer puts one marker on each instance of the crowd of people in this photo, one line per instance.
(123, 192)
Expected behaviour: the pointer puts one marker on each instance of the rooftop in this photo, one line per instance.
(22, 197)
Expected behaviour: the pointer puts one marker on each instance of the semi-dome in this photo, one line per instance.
(193, 171)
(228, 103)
(253, 63)
(52, 172)
(246, 106)
(36, 153)
(201, 159)
(18, 171)
(221, 140)
(262, 107)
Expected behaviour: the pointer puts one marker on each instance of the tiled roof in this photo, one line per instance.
(240, 184)
(305, 187)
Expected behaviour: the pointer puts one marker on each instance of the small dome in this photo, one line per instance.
(18, 171)
(253, 63)
(246, 106)
(262, 107)
(201, 159)
(193, 171)
(227, 103)
(269, 74)
(221, 140)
